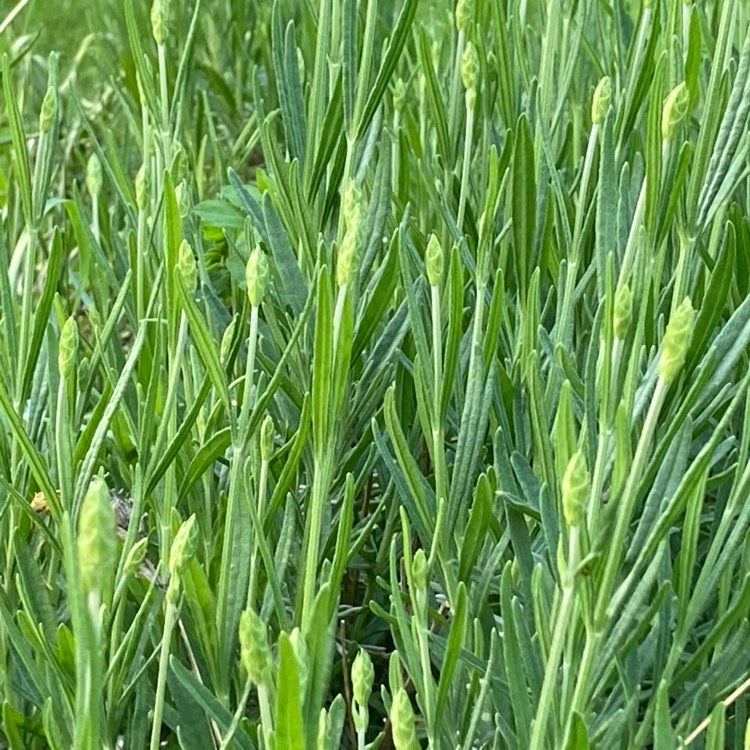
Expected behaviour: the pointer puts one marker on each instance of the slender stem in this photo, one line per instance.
(562, 624)
(161, 684)
(627, 503)
(237, 716)
(468, 135)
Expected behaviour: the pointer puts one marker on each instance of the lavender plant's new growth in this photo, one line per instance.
(676, 341)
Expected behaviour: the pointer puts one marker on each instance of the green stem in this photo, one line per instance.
(468, 136)
(562, 625)
(161, 684)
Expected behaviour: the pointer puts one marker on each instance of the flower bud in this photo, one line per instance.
(267, 436)
(256, 276)
(470, 97)
(623, 311)
(97, 538)
(142, 188)
(403, 723)
(363, 674)
(160, 12)
(676, 341)
(675, 110)
(94, 175)
(470, 67)
(187, 267)
(601, 100)
(183, 546)
(255, 652)
(434, 260)
(575, 489)
(464, 13)
(48, 112)
(347, 263)
(419, 570)
(135, 557)
(68, 347)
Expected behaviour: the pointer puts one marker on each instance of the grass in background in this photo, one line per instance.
(375, 375)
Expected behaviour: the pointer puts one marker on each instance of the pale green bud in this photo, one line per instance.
(49, 111)
(623, 311)
(142, 188)
(256, 276)
(470, 97)
(419, 570)
(464, 13)
(403, 723)
(363, 674)
(267, 436)
(575, 489)
(97, 538)
(434, 260)
(601, 100)
(94, 175)
(68, 347)
(470, 67)
(676, 341)
(255, 652)
(160, 17)
(351, 204)
(187, 267)
(347, 263)
(675, 110)
(183, 546)
(135, 557)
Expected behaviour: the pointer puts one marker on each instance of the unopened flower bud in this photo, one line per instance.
(601, 100)
(676, 341)
(183, 546)
(187, 267)
(419, 570)
(575, 489)
(363, 674)
(160, 12)
(94, 175)
(97, 538)
(347, 263)
(464, 13)
(623, 311)
(141, 188)
(434, 260)
(68, 347)
(675, 110)
(135, 557)
(403, 723)
(470, 67)
(256, 276)
(255, 652)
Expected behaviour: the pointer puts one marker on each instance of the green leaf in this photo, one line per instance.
(289, 730)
